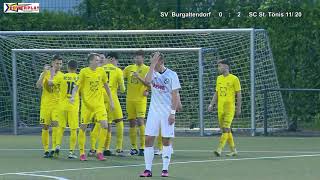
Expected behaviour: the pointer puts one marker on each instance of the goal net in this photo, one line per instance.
(251, 60)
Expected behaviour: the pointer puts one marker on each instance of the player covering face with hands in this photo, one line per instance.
(165, 87)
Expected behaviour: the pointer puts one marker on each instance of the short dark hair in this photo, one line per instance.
(56, 57)
(91, 56)
(72, 64)
(139, 53)
(224, 61)
(113, 55)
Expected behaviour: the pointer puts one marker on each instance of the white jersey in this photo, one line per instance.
(162, 85)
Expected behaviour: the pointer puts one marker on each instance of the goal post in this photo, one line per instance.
(19, 56)
(248, 49)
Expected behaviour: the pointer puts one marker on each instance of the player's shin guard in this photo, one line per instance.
(60, 133)
(133, 137)
(102, 140)
(45, 139)
(94, 135)
(142, 136)
(108, 140)
(82, 141)
(73, 139)
(148, 157)
(119, 127)
(231, 142)
(223, 139)
(54, 137)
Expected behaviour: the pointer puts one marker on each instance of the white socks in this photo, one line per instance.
(166, 156)
(148, 157)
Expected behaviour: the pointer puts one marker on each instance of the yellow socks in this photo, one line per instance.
(94, 135)
(133, 137)
(231, 142)
(54, 137)
(223, 139)
(45, 139)
(119, 127)
(102, 140)
(73, 139)
(60, 133)
(82, 141)
(142, 136)
(108, 140)
(159, 143)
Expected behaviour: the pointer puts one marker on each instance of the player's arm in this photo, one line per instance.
(106, 86)
(213, 102)
(179, 106)
(238, 104)
(154, 60)
(52, 74)
(135, 74)
(175, 98)
(42, 75)
(78, 83)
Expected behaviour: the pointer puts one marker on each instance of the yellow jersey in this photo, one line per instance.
(67, 83)
(90, 83)
(115, 78)
(226, 87)
(50, 94)
(135, 88)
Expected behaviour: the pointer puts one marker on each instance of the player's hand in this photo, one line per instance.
(146, 93)
(210, 108)
(46, 68)
(172, 119)
(135, 74)
(238, 112)
(71, 100)
(155, 58)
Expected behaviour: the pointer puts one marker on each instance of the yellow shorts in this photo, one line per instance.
(117, 111)
(136, 109)
(47, 115)
(225, 118)
(70, 117)
(88, 115)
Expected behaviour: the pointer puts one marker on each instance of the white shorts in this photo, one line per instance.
(157, 121)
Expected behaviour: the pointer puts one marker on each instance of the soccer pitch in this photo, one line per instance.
(259, 158)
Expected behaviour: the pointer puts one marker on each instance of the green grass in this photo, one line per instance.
(269, 158)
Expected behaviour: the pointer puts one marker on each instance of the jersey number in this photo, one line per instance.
(108, 74)
(70, 87)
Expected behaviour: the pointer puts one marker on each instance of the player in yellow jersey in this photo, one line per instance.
(68, 113)
(136, 100)
(115, 82)
(49, 103)
(227, 88)
(92, 80)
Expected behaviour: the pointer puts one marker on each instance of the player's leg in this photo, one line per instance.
(73, 122)
(131, 112)
(141, 113)
(107, 143)
(152, 130)
(228, 122)
(101, 116)
(117, 117)
(62, 117)
(159, 145)
(167, 132)
(86, 118)
(93, 138)
(45, 121)
(55, 132)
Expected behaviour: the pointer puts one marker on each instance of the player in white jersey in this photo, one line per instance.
(161, 116)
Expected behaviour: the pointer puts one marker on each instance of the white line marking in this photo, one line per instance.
(181, 162)
(39, 175)
(187, 150)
